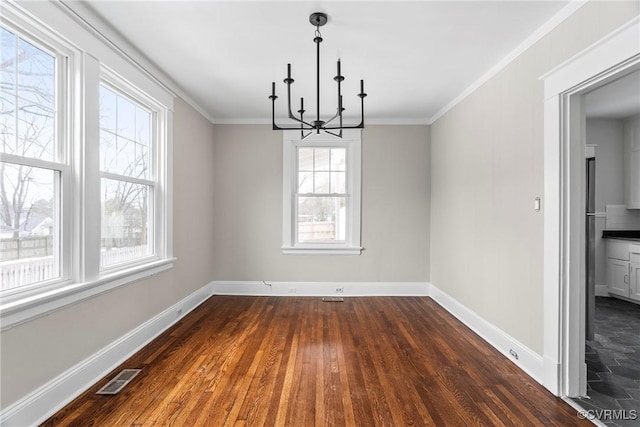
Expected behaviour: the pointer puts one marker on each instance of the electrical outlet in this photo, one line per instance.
(292, 290)
(339, 290)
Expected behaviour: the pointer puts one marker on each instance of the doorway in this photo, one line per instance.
(618, 54)
(612, 315)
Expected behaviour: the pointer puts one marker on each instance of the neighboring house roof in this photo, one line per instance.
(35, 222)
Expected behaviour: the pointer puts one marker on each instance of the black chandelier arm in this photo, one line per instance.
(358, 126)
(289, 81)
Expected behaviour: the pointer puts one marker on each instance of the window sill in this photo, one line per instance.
(321, 251)
(24, 306)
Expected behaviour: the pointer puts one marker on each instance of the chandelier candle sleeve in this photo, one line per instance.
(317, 19)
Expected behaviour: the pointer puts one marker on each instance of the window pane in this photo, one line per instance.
(338, 182)
(27, 99)
(36, 75)
(305, 182)
(35, 131)
(107, 151)
(7, 123)
(107, 109)
(126, 157)
(321, 219)
(321, 159)
(126, 118)
(125, 221)
(142, 162)
(28, 225)
(125, 135)
(8, 42)
(321, 183)
(338, 159)
(143, 126)
(305, 159)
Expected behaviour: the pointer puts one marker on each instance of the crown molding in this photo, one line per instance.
(538, 34)
(395, 121)
(90, 20)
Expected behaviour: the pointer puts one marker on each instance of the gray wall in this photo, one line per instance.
(36, 352)
(607, 134)
(395, 209)
(486, 170)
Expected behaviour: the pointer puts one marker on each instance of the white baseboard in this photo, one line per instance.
(349, 289)
(51, 397)
(527, 360)
(602, 291)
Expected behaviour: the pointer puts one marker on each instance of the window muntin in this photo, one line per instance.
(127, 187)
(31, 168)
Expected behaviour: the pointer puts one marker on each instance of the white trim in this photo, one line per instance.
(528, 360)
(563, 156)
(538, 34)
(39, 301)
(321, 251)
(36, 407)
(388, 121)
(349, 289)
(602, 291)
(351, 141)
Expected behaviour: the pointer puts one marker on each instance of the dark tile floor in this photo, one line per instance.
(613, 360)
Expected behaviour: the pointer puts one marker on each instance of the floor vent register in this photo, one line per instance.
(122, 379)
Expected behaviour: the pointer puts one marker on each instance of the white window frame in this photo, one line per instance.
(89, 60)
(157, 148)
(351, 141)
(62, 162)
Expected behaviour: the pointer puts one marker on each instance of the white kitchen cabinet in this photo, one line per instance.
(632, 162)
(634, 272)
(618, 277)
(634, 281)
(623, 269)
(618, 262)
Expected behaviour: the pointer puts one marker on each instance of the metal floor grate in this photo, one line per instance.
(116, 384)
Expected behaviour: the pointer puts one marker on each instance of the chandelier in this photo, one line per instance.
(333, 125)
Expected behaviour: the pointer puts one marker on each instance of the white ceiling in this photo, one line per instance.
(616, 100)
(415, 57)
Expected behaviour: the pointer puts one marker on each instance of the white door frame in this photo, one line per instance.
(564, 369)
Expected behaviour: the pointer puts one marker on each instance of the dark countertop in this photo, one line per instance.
(621, 234)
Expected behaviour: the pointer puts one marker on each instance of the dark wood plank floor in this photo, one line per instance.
(289, 361)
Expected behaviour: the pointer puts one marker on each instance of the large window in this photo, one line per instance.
(33, 164)
(85, 171)
(127, 185)
(321, 194)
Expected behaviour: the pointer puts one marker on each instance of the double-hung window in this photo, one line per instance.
(321, 194)
(127, 178)
(85, 166)
(34, 166)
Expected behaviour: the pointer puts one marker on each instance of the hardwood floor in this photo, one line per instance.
(289, 361)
